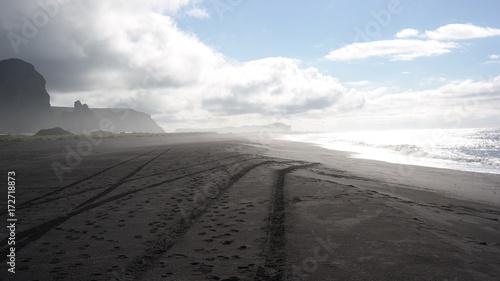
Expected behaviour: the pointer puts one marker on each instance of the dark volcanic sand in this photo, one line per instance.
(213, 208)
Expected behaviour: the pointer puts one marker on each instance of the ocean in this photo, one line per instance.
(476, 150)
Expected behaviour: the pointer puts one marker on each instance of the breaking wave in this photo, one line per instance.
(463, 149)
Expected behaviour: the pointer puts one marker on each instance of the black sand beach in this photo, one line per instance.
(233, 208)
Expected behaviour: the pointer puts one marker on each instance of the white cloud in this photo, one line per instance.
(135, 55)
(357, 83)
(437, 43)
(463, 88)
(461, 32)
(198, 13)
(271, 85)
(493, 59)
(456, 104)
(407, 33)
(433, 81)
(398, 49)
(451, 32)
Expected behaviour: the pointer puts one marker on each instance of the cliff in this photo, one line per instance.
(24, 101)
(25, 107)
(115, 120)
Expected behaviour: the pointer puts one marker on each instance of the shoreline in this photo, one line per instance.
(228, 208)
(454, 183)
(426, 151)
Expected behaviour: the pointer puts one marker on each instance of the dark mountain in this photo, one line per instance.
(25, 107)
(24, 102)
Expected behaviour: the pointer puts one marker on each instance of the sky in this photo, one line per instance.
(315, 65)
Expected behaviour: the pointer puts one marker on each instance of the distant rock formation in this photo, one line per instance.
(25, 107)
(275, 127)
(24, 102)
(79, 119)
(53, 132)
(127, 120)
(116, 120)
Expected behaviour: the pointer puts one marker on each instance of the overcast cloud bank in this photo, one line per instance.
(134, 55)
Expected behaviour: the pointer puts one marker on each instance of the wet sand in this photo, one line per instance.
(227, 208)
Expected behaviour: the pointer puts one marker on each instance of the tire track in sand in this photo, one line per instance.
(31, 203)
(121, 181)
(274, 253)
(142, 264)
(125, 181)
(28, 236)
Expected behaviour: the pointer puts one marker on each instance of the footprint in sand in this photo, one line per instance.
(97, 238)
(244, 269)
(177, 256)
(232, 278)
(55, 270)
(204, 268)
(71, 237)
